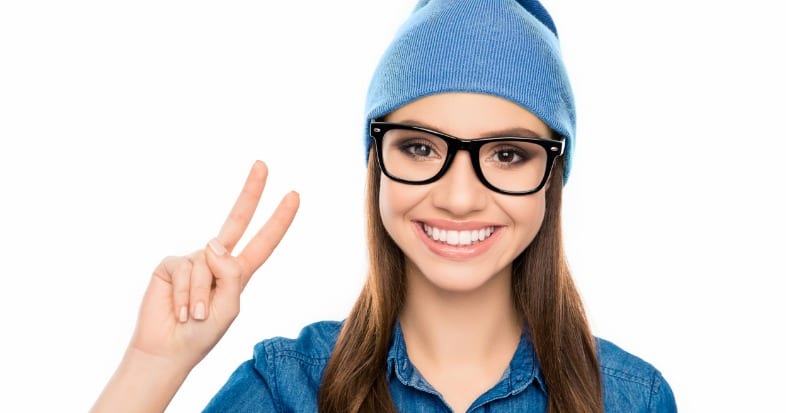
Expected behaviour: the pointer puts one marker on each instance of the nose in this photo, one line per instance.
(459, 191)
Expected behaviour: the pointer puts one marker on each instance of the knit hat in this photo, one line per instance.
(505, 48)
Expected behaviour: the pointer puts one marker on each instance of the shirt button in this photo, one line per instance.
(519, 377)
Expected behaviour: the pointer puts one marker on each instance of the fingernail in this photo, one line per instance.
(182, 314)
(217, 247)
(200, 311)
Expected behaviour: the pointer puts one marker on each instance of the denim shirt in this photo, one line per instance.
(284, 376)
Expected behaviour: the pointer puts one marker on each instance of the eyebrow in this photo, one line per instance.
(516, 131)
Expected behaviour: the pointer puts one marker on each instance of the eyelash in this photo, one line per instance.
(516, 152)
(408, 144)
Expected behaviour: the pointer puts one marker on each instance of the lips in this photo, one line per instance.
(457, 240)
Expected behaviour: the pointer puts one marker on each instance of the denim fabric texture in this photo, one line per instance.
(284, 376)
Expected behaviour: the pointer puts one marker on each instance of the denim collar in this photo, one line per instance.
(521, 372)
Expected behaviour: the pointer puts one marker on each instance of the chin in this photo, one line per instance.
(457, 277)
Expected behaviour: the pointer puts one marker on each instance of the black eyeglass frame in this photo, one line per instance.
(553, 148)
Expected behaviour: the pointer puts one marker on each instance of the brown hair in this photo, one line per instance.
(355, 380)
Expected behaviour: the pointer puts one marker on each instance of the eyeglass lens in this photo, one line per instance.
(510, 165)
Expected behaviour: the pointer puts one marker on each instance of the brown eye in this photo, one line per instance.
(508, 156)
(420, 150)
(417, 149)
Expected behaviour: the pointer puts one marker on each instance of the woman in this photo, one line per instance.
(468, 305)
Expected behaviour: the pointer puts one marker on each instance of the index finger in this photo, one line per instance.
(242, 211)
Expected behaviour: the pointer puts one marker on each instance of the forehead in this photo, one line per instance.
(469, 115)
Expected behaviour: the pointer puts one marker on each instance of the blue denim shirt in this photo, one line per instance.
(284, 376)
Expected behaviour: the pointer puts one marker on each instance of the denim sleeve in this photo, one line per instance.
(662, 400)
(246, 391)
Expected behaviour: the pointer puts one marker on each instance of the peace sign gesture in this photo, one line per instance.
(190, 303)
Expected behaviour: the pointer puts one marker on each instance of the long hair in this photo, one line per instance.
(354, 379)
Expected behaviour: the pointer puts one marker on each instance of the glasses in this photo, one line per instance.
(508, 165)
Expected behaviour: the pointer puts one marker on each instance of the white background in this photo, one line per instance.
(127, 129)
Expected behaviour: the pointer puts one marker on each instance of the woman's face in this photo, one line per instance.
(459, 201)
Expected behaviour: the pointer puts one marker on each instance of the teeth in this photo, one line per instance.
(465, 237)
(453, 237)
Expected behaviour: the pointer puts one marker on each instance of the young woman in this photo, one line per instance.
(468, 305)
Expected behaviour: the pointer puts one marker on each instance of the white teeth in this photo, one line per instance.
(465, 237)
(454, 237)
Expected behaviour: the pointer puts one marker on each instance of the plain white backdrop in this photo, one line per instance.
(127, 129)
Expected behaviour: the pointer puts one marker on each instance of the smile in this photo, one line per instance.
(456, 237)
(457, 241)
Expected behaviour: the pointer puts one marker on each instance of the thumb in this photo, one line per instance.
(227, 274)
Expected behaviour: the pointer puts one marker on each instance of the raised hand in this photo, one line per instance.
(190, 303)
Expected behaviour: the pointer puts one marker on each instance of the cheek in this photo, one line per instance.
(527, 215)
(396, 200)
(392, 203)
(386, 207)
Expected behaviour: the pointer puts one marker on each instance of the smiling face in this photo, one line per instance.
(456, 233)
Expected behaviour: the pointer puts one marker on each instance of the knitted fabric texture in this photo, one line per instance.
(505, 48)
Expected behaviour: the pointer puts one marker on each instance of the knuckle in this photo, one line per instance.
(237, 217)
(181, 288)
(184, 265)
(168, 260)
(194, 256)
(165, 268)
(201, 290)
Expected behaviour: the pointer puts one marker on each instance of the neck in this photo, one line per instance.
(443, 327)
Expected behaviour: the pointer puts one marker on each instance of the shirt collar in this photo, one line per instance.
(523, 368)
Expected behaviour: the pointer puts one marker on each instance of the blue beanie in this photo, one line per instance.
(505, 48)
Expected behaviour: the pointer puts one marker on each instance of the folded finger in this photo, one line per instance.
(167, 268)
(180, 280)
(227, 276)
(200, 288)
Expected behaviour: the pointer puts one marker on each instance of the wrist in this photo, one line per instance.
(148, 379)
(162, 369)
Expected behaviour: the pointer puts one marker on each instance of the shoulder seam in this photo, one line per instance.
(302, 357)
(270, 370)
(648, 383)
(655, 387)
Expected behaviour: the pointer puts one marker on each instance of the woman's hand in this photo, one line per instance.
(191, 300)
(190, 303)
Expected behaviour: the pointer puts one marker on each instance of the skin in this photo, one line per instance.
(458, 319)
(459, 322)
(169, 341)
